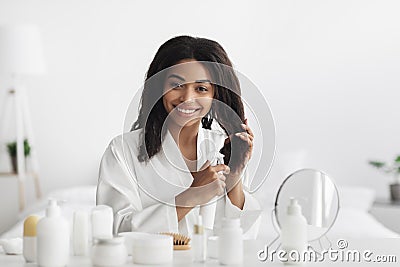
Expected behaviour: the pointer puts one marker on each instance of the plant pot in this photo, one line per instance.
(395, 192)
(14, 164)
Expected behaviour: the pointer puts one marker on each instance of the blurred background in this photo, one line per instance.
(328, 69)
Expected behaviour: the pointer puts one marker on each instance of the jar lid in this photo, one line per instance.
(145, 240)
(112, 241)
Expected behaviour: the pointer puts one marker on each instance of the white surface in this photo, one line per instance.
(251, 248)
(21, 50)
(329, 69)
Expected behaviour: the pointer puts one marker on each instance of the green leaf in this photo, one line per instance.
(397, 159)
(12, 148)
(376, 164)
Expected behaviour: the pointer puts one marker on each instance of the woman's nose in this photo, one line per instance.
(188, 94)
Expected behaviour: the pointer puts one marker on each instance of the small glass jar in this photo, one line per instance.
(109, 252)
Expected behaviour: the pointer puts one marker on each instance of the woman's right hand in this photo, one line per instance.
(208, 182)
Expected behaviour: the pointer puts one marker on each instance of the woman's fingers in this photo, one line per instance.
(221, 177)
(221, 167)
(245, 137)
(247, 128)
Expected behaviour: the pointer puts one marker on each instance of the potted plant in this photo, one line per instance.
(394, 169)
(12, 151)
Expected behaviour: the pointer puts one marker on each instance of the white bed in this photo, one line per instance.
(353, 221)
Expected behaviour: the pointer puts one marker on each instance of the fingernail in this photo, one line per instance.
(237, 134)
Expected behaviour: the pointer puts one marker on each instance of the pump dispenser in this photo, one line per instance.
(52, 238)
(294, 233)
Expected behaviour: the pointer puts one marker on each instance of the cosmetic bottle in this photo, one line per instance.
(294, 233)
(230, 242)
(102, 218)
(199, 246)
(52, 238)
(29, 240)
(80, 233)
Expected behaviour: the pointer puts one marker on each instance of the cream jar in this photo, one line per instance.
(109, 252)
(152, 248)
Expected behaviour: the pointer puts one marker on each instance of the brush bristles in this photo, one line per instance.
(181, 242)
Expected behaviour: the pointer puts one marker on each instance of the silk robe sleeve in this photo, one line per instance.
(118, 188)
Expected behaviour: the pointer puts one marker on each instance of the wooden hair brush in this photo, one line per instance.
(181, 242)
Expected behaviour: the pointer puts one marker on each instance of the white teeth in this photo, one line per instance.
(187, 111)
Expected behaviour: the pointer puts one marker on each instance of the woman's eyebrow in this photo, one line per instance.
(203, 81)
(176, 76)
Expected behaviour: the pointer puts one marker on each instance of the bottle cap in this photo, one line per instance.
(30, 225)
(294, 208)
(52, 209)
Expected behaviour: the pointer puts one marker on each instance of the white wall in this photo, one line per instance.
(329, 70)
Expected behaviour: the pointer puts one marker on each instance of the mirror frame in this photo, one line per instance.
(279, 191)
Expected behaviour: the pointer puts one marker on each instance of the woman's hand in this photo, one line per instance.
(208, 182)
(247, 136)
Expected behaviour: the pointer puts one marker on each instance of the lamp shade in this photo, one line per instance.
(21, 50)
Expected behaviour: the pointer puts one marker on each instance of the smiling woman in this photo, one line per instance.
(190, 115)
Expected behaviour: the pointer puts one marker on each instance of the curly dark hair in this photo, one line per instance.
(152, 113)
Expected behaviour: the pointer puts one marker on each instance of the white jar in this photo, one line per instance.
(109, 252)
(53, 238)
(230, 242)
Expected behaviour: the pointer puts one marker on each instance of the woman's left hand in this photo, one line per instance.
(247, 136)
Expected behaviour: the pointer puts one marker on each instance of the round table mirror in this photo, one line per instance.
(318, 197)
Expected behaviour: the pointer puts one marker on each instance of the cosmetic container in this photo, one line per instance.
(102, 222)
(294, 232)
(230, 242)
(152, 248)
(80, 233)
(53, 238)
(109, 252)
(30, 239)
(199, 241)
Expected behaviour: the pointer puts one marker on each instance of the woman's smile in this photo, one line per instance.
(187, 111)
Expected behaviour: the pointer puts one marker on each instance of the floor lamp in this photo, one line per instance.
(21, 54)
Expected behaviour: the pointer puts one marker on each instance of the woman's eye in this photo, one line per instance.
(202, 89)
(176, 85)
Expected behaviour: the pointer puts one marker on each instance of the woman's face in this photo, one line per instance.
(188, 92)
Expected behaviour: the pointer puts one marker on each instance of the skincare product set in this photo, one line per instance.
(227, 247)
(47, 240)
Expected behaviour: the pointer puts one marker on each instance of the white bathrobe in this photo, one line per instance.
(142, 194)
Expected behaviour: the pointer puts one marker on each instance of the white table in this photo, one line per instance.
(183, 258)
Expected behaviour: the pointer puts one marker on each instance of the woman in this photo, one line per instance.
(161, 175)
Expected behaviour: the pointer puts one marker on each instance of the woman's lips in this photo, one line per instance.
(186, 111)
